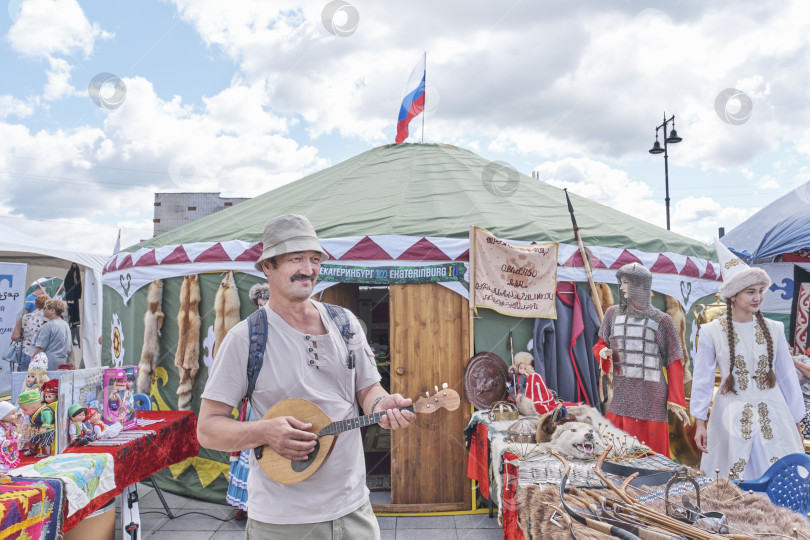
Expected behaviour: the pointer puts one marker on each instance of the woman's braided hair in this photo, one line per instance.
(728, 384)
(770, 379)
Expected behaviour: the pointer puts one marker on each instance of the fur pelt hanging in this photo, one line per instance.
(605, 295)
(152, 325)
(187, 357)
(226, 307)
(675, 310)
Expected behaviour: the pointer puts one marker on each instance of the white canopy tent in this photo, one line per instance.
(44, 259)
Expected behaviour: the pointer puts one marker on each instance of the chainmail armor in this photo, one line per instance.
(643, 340)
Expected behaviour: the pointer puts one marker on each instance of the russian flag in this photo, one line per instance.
(414, 101)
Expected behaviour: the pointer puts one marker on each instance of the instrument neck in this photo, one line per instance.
(353, 423)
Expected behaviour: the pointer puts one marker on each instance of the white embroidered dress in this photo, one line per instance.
(753, 428)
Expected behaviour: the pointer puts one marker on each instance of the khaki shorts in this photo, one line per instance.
(359, 525)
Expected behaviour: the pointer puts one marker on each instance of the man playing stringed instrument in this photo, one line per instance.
(305, 357)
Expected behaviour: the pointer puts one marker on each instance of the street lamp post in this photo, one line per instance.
(656, 149)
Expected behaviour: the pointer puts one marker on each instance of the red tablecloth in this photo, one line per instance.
(174, 440)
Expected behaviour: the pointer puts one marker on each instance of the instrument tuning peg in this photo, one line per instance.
(427, 394)
(444, 385)
(437, 389)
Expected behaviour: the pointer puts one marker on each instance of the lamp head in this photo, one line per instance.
(673, 137)
(656, 149)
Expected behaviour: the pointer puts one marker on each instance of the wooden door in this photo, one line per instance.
(429, 346)
(342, 294)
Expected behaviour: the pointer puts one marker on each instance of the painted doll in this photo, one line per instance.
(79, 431)
(50, 391)
(9, 452)
(37, 373)
(115, 409)
(41, 427)
(94, 418)
(530, 393)
(129, 394)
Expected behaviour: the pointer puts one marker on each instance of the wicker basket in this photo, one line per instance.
(503, 410)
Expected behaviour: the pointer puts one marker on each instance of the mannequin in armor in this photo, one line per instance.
(639, 345)
(757, 412)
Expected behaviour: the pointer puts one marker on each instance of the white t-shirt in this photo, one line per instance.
(290, 369)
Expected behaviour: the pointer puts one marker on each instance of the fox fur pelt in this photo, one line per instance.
(226, 307)
(751, 514)
(187, 356)
(675, 310)
(152, 324)
(605, 295)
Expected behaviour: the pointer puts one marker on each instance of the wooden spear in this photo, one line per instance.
(597, 303)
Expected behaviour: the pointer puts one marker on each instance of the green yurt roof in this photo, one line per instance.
(431, 190)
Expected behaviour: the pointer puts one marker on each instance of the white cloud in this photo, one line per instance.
(11, 106)
(89, 175)
(695, 217)
(58, 85)
(599, 182)
(701, 217)
(53, 27)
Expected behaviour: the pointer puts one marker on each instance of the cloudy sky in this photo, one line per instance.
(241, 97)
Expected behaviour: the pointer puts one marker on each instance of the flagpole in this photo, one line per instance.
(424, 107)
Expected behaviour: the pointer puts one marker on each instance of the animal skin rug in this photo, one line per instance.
(226, 307)
(187, 356)
(152, 324)
(754, 515)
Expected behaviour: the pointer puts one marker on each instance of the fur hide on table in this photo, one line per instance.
(226, 307)
(152, 324)
(754, 515)
(187, 356)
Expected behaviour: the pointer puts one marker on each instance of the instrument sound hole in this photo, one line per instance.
(300, 466)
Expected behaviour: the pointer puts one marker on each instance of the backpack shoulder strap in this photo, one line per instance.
(257, 330)
(340, 316)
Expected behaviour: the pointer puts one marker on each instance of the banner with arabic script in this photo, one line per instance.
(516, 280)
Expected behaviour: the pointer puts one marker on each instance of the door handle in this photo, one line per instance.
(400, 370)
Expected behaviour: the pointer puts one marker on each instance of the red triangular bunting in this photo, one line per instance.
(709, 273)
(126, 262)
(625, 258)
(178, 256)
(366, 250)
(690, 269)
(575, 261)
(423, 250)
(147, 260)
(663, 266)
(464, 257)
(252, 254)
(213, 254)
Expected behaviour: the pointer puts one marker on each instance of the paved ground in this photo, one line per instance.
(199, 520)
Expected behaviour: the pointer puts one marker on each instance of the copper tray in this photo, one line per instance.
(485, 380)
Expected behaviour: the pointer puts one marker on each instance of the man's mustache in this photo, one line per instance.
(302, 277)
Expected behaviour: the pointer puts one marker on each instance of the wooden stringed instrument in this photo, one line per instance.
(286, 471)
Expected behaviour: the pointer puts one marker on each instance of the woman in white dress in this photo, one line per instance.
(756, 415)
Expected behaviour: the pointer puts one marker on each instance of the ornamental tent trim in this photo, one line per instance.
(686, 278)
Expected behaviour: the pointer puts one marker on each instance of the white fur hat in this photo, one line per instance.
(736, 274)
(5, 408)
